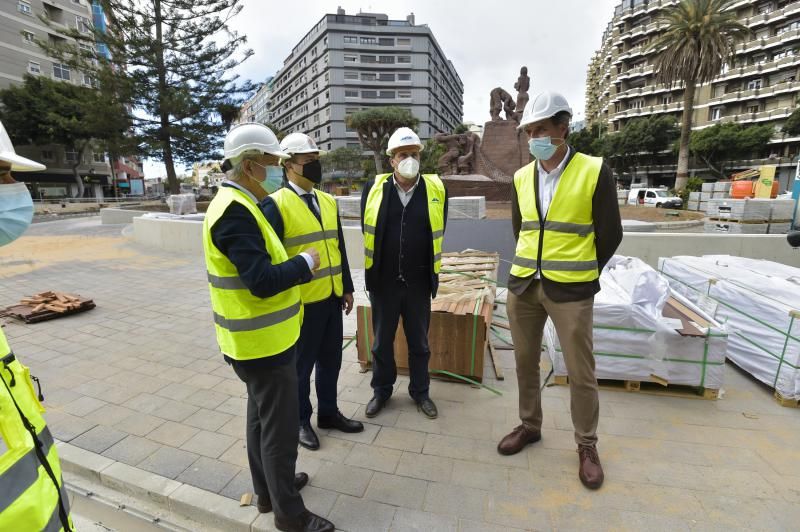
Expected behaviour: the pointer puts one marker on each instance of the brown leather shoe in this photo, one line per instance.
(590, 471)
(517, 439)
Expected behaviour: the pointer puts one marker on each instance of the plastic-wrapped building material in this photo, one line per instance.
(635, 339)
(781, 210)
(758, 300)
(349, 206)
(735, 228)
(722, 186)
(743, 210)
(182, 204)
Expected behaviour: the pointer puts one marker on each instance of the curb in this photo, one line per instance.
(679, 225)
(188, 502)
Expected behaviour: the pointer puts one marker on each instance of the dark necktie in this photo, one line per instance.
(313, 208)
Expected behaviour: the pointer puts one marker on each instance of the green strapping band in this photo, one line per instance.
(773, 355)
(350, 341)
(367, 344)
(465, 379)
(783, 354)
(705, 360)
(643, 357)
(503, 338)
(474, 334)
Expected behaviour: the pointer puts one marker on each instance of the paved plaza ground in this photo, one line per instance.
(139, 380)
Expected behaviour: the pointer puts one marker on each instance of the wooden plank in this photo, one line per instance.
(498, 371)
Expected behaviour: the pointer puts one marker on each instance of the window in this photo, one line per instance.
(369, 76)
(82, 24)
(637, 104)
(404, 77)
(386, 59)
(349, 74)
(763, 9)
(28, 36)
(47, 155)
(404, 94)
(356, 145)
(369, 59)
(753, 84)
(350, 94)
(87, 80)
(369, 40)
(386, 76)
(99, 157)
(384, 41)
(716, 113)
(350, 58)
(24, 7)
(387, 94)
(61, 71)
(350, 39)
(71, 156)
(369, 94)
(666, 99)
(403, 58)
(752, 109)
(34, 67)
(403, 41)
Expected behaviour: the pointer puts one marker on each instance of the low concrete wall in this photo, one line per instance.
(119, 216)
(354, 243)
(650, 246)
(169, 235)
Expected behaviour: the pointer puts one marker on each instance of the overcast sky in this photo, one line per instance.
(487, 41)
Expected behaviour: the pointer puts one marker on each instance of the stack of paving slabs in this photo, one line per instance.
(47, 306)
(461, 316)
(645, 332)
(466, 208)
(780, 216)
(349, 206)
(759, 301)
(749, 216)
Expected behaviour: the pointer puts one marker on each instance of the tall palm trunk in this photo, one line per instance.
(682, 176)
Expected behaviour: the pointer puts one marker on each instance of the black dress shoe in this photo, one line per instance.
(308, 438)
(339, 422)
(264, 504)
(374, 406)
(427, 407)
(305, 522)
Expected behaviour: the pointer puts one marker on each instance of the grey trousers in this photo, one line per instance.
(272, 433)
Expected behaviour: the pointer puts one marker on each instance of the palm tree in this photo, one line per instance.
(700, 37)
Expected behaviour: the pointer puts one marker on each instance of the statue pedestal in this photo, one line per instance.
(504, 150)
(477, 185)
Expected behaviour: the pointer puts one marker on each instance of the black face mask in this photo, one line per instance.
(312, 171)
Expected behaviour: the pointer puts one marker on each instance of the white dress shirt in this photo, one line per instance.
(302, 192)
(548, 182)
(405, 195)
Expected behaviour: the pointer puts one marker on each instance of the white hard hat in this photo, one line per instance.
(544, 105)
(7, 154)
(299, 143)
(403, 136)
(251, 138)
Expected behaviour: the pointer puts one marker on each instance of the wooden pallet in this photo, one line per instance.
(785, 401)
(655, 388)
(48, 306)
(737, 220)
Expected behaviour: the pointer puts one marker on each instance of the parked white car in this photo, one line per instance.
(654, 197)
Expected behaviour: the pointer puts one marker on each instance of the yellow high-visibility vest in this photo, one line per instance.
(436, 196)
(566, 236)
(32, 493)
(302, 230)
(248, 326)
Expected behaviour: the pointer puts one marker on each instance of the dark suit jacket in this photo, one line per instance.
(607, 236)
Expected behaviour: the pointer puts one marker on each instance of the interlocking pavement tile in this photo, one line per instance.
(210, 444)
(172, 434)
(207, 419)
(82, 406)
(376, 458)
(425, 467)
(467, 503)
(397, 491)
(356, 515)
(139, 424)
(209, 474)
(168, 462)
(65, 426)
(98, 439)
(406, 520)
(342, 479)
(401, 439)
(131, 450)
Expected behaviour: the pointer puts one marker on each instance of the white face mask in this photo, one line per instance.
(408, 168)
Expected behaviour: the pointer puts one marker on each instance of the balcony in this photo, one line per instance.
(643, 91)
(636, 72)
(768, 18)
(648, 110)
(760, 68)
(749, 118)
(760, 44)
(765, 92)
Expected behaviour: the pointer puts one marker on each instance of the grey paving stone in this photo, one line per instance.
(481, 476)
(139, 424)
(177, 391)
(458, 501)
(209, 399)
(236, 406)
(168, 462)
(375, 458)
(98, 439)
(109, 414)
(401, 439)
(397, 491)
(355, 515)
(342, 479)
(209, 474)
(406, 520)
(235, 427)
(82, 406)
(240, 484)
(172, 434)
(207, 419)
(425, 467)
(131, 450)
(210, 444)
(516, 511)
(65, 426)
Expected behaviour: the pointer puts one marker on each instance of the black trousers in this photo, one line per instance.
(413, 303)
(320, 347)
(272, 432)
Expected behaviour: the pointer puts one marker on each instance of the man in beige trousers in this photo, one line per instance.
(567, 225)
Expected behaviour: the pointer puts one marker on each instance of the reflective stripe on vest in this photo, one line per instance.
(435, 200)
(568, 253)
(302, 230)
(247, 326)
(32, 491)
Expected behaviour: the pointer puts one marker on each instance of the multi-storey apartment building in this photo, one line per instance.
(760, 87)
(20, 28)
(256, 108)
(347, 63)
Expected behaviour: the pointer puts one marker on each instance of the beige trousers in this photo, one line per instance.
(527, 315)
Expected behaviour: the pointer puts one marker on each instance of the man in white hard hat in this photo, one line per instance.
(403, 218)
(567, 225)
(33, 490)
(303, 217)
(257, 317)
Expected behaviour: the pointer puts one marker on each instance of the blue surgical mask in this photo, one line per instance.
(541, 148)
(273, 179)
(16, 211)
